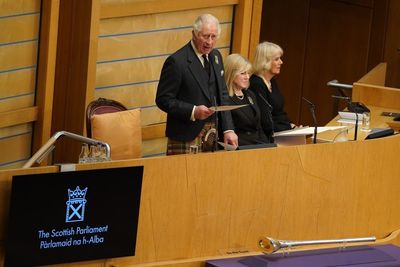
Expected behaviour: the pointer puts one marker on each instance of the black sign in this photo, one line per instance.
(73, 216)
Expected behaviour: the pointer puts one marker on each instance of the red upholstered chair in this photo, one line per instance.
(101, 106)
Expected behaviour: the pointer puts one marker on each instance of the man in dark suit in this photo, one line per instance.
(191, 81)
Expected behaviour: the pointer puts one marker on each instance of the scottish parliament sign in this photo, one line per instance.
(73, 216)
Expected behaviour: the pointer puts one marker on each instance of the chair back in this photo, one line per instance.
(101, 106)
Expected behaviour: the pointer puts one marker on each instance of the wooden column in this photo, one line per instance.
(246, 29)
(45, 79)
(75, 71)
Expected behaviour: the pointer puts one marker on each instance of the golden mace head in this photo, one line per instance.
(269, 245)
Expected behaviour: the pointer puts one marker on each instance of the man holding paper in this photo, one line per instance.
(192, 81)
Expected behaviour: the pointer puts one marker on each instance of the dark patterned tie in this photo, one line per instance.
(206, 64)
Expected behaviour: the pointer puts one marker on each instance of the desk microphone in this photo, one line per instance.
(347, 98)
(312, 110)
(350, 105)
(270, 108)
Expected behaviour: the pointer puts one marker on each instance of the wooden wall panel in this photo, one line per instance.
(19, 33)
(8, 143)
(374, 95)
(378, 33)
(126, 8)
(291, 36)
(17, 102)
(392, 47)
(15, 29)
(18, 147)
(337, 31)
(18, 7)
(74, 75)
(17, 56)
(46, 72)
(322, 41)
(17, 83)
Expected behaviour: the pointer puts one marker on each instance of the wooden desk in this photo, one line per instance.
(208, 205)
(377, 121)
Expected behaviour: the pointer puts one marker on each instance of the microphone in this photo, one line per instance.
(270, 108)
(335, 83)
(347, 98)
(312, 110)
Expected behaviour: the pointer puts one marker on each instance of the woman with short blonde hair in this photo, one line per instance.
(265, 53)
(234, 64)
(247, 119)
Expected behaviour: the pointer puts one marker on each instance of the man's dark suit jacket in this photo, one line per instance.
(183, 84)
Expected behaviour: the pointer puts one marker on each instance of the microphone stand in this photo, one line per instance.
(356, 127)
(312, 110)
(348, 99)
(216, 125)
(269, 114)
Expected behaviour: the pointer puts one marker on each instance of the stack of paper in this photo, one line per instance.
(349, 117)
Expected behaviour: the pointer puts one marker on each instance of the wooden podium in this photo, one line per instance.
(212, 205)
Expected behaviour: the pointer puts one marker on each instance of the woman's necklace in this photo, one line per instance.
(239, 94)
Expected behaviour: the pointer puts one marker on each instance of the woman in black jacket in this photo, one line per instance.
(247, 120)
(267, 64)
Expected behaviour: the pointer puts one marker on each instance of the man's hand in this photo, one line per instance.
(231, 138)
(202, 112)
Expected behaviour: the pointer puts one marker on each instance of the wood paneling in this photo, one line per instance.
(376, 76)
(378, 33)
(18, 56)
(74, 77)
(19, 28)
(18, 116)
(46, 72)
(392, 48)
(19, 7)
(116, 8)
(17, 83)
(376, 95)
(18, 147)
(291, 35)
(17, 102)
(322, 41)
(255, 27)
(337, 48)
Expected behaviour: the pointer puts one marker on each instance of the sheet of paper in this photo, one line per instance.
(349, 121)
(226, 108)
(308, 130)
(227, 147)
(350, 115)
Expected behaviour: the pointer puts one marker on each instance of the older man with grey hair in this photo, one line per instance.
(192, 81)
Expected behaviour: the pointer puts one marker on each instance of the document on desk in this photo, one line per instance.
(227, 147)
(226, 108)
(308, 130)
(349, 117)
